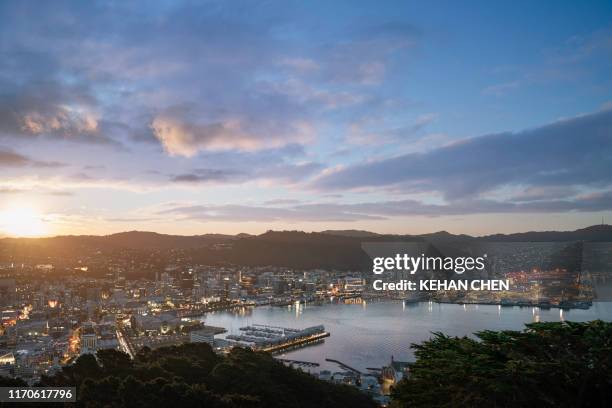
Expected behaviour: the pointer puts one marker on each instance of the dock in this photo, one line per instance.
(298, 362)
(299, 342)
(274, 339)
(345, 366)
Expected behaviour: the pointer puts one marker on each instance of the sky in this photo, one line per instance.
(225, 117)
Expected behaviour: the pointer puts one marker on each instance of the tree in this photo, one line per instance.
(12, 382)
(192, 375)
(113, 360)
(545, 365)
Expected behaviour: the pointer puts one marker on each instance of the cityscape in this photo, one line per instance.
(306, 204)
(129, 299)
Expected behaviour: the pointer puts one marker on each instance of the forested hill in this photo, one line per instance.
(192, 375)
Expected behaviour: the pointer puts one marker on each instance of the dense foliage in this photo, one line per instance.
(546, 365)
(192, 375)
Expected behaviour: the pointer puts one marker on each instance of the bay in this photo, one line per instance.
(367, 334)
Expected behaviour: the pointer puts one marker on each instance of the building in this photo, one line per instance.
(7, 370)
(396, 371)
(202, 336)
(89, 339)
(8, 292)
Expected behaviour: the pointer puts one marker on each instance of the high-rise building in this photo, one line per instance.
(225, 293)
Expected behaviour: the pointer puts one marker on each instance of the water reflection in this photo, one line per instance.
(367, 335)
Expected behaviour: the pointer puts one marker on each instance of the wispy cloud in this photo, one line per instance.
(376, 132)
(368, 211)
(501, 89)
(10, 158)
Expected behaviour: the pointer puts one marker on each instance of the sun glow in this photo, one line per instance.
(22, 222)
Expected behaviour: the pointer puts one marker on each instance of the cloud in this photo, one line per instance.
(12, 190)
(501, 89)
(282, 202)
(576, 151)
(203, 81)
(208, 96)
(94, 167)
(365, 59)
(60, 193)
(12, 159)
(82, 177)
(183, 136)
(581, 47)
(130, 220)
(292, 211)
(371, 131)
(47, 108)
(9, 158)
(245, 213)
(544, 193)
(300, 64)
(278, 171)
(287, 172)
(204, 175)
(305, 93)
(579, 59)
(8, 190)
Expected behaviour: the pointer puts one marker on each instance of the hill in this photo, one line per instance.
(595, 233)
(296, 249)
(351, 233)
(135, 240)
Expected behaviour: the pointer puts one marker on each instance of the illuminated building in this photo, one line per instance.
(89, 339)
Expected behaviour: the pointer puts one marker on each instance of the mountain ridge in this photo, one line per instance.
(151, 239)
(293, 249)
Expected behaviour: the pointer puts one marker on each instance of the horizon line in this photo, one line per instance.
(2, 237)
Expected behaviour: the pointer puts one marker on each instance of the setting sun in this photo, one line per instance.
(22, 222)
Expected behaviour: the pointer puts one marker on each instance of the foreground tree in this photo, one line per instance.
(192, 375)
(546, 365)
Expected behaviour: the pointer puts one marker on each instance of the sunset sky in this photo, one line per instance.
(227, 117)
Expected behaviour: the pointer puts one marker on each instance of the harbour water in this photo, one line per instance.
(368, 334)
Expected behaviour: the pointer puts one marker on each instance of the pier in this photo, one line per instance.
(299, 363)
(345, 366)
(315, 338)
(274, 339)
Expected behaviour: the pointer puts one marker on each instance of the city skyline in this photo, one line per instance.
(187, 119)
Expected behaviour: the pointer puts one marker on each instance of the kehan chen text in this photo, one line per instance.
(435, 285)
